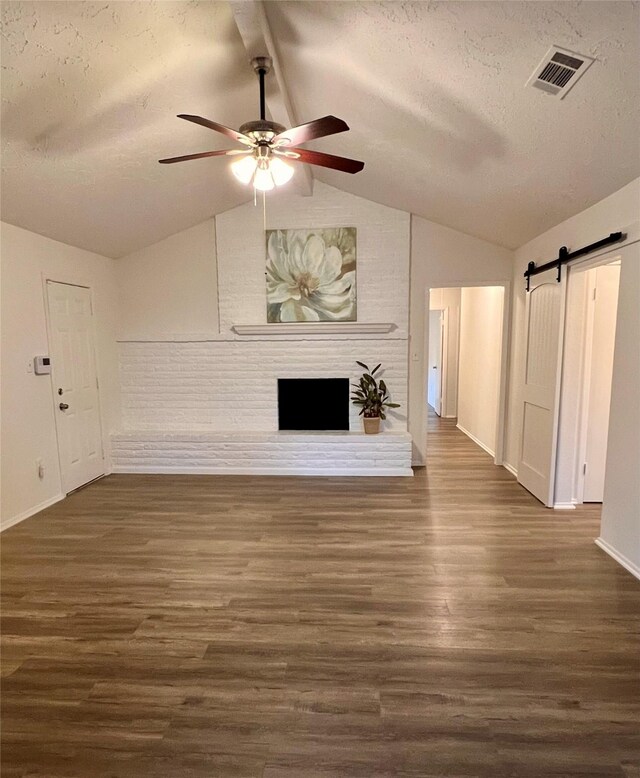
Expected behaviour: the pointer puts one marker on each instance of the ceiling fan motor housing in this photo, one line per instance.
(262, 130)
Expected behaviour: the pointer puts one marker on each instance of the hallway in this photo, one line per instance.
(445, 625)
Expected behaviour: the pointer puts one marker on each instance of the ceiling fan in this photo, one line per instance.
(268, 144)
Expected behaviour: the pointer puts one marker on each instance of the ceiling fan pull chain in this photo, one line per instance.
(264, 211)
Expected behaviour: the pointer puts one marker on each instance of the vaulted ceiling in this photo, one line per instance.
(434, 93)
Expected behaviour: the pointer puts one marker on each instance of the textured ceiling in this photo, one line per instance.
(90, 97)
(434, 94)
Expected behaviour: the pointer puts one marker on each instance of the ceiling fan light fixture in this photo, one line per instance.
(262, 170)
(244, 168)
(280, 171)
(263, 180)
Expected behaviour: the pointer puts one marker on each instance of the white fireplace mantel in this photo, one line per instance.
(315, 328)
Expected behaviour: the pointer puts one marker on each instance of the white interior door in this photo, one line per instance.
(544, 310)
(604, 297)
(434, 388)
(75, 384)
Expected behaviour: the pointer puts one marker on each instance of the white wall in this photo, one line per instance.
(229, 382)
(620, 529)
(28, 422)
(382, 254)
(170, 288)
(448, 300)
(480, 363)
(442, 257)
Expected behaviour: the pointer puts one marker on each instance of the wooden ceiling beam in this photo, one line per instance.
(253, 25)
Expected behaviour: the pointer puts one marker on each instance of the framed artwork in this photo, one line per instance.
(311, 275)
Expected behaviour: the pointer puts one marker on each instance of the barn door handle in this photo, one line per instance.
(63, 406)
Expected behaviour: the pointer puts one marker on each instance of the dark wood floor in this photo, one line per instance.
(445, 625)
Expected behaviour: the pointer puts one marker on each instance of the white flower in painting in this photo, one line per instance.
(305, 278)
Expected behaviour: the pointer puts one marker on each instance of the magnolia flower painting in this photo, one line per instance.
(311, 275)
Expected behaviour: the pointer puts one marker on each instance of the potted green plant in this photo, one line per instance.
(373, 396)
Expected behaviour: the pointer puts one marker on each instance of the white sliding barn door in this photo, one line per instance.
(75, 384)
(544, 311)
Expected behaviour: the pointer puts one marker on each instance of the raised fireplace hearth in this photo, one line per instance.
(283, 452)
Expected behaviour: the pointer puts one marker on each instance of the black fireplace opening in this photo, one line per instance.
(313, 403)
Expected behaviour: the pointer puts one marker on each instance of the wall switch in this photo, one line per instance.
(29, 366)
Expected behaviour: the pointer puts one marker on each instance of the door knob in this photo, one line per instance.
(63, 406)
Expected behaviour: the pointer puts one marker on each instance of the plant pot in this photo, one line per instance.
(371, 425)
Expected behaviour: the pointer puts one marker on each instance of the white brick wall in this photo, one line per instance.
(229, 384)
(382, 254)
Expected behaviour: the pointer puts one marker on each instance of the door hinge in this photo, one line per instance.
(584, 469)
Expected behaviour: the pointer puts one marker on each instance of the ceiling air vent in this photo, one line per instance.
(559, 70)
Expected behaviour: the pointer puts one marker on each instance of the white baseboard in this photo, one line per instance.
(621, 559)
(564, 506)
(6, 523)
(285, 471)
(510, 468)
(475, 440)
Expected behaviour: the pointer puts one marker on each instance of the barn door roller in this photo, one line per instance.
(564, 256)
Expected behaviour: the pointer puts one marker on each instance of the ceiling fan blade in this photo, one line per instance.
(344, 164)
(203, 154)
(328, 125)
(238, 136)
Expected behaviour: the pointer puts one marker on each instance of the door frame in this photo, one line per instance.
(84, 284)
(507, 303)
(569, 480)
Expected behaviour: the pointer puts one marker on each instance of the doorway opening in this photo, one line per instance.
(465, 378)
(587, 372)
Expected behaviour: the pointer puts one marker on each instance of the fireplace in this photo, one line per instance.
(313, 403)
